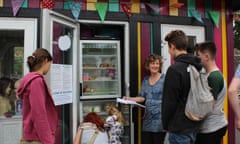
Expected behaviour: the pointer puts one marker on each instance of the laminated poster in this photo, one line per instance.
(61, 83)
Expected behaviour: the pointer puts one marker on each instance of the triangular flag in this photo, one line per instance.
(215, 16)
(177, 5)
(75, 8)
(48, 4)
(154, 7)
(102, 9)
(127, 9)
(197, 15)
(25, 4)
(16, 4)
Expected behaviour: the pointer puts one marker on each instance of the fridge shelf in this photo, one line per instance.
(98, 68)
(99, 93)
(97, 55)
(101, 80)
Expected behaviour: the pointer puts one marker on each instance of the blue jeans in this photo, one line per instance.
(186, 138)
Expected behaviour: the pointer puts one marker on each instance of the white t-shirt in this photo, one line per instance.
(89, 130)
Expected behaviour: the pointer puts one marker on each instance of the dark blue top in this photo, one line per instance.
(152, 121)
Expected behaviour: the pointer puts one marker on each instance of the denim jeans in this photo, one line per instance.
(185, 138)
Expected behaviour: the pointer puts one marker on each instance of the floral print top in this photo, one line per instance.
(115, 130)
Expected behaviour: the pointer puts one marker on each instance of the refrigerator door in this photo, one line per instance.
(100, 69)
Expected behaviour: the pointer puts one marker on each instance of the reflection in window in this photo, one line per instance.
(62, 56)
(11, 67)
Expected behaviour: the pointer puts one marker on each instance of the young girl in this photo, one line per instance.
(115, 122)
(39, 111)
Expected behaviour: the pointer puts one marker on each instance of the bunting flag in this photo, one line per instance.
(16, 4)
(102, 9)
(197, 15)
(75, 8)
(127, 9)
(48, 4)
(177, 5)
(215, 16)
(25, 4)
(154, 7)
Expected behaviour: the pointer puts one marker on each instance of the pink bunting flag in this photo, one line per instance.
(154, 7)
(16, 4)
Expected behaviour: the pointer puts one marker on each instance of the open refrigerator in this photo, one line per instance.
(100, 80)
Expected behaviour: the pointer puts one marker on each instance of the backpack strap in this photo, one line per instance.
(94, 136)
(81, 132)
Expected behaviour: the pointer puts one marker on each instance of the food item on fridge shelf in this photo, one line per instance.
(111, 73)
(85, 86)
(106, 65)
(92, 78)
(97, 109)
(88, 89)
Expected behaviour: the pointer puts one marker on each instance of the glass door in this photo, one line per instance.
(60, 37)
(100, 69)
(18, 38)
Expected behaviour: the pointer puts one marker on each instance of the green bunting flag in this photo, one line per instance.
(215, 16)
(102, 9)
(197, 15)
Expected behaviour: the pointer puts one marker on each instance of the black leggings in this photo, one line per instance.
(153, 137)
(211, 138)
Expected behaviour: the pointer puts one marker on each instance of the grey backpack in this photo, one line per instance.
(200, 99)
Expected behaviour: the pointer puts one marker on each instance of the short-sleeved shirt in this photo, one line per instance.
(237, 72)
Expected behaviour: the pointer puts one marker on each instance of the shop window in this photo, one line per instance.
(11, 70)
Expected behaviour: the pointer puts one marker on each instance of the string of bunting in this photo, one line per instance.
(102, 8)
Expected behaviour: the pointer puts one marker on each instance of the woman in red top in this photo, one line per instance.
(39, 111)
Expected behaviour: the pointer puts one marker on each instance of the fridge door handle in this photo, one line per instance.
(81, 90)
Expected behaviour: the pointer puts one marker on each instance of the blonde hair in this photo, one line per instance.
(112, 110)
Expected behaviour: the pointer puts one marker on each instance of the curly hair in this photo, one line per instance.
(94, 118)
(112, 110)
(153, 58)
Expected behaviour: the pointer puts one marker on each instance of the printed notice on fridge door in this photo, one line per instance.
(61, 83)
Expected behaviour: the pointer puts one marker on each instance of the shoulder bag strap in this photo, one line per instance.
(94, 136)
(80, 137)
